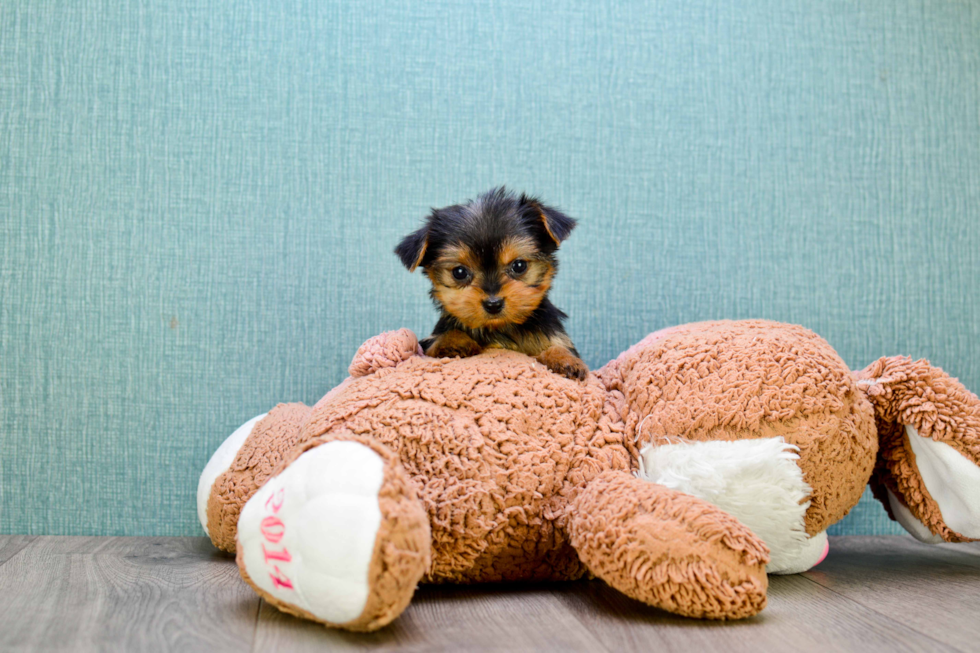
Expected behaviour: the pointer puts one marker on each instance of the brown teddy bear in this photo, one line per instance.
(679, 473)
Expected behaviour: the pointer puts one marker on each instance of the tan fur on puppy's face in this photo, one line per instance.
(521, 292)
(520, 300)
(465, 303)
(463, 299)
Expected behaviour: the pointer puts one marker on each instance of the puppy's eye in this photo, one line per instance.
(519, 266)
(460, 273)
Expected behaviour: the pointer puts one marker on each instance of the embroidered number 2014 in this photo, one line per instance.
(273, 530)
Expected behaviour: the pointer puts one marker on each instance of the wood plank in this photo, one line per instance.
(931, 589)
(972, 548)
(516, 617)
(95, 593)
(145, 594)
(11, 545)
(800, 616)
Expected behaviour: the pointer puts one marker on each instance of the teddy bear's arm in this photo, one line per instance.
(928, 469)
(668, 549)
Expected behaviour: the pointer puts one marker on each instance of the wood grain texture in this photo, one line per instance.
(179, 594)
(933, 590)
(972, 548)
(801, 616)
(124, 594)
(11, 545)
(451, 618)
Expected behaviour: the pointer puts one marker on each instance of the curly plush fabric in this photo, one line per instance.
(520, 474)
(271, 439)
(907, 392)
(401, 552)
(387, 350)
(638, 536)
(754, 379)
(498, 447)
(496, 444)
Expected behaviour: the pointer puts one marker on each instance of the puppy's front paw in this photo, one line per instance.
(561, 361)
(453, 344)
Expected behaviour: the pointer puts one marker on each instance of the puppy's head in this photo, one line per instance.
(490, 260)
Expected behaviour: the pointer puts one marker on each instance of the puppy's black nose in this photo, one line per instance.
(493, 305)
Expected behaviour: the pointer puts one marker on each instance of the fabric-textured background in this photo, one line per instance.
(198, 201)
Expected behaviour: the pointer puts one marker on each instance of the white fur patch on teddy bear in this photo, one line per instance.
(756, 481)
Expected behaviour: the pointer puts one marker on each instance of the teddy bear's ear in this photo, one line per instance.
(385, 350)
(412, 249)
(928, 470)
(554, 225)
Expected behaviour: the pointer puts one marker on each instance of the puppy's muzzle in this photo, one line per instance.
(493, 305)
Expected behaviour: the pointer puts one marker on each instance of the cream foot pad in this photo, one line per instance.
(307, 537)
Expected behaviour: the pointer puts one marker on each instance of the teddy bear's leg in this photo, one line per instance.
(219, 463)
(668, 549)
(241, 465)
(928, 469)
(337, 536)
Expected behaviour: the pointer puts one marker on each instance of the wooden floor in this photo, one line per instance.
(180, 594)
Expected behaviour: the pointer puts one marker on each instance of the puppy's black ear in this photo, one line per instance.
(411, 250)
(557, 226)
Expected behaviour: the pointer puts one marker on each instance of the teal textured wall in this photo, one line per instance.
(198, 201)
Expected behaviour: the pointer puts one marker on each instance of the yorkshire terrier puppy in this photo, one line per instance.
(491, 263)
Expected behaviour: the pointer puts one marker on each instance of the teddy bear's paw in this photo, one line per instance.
(952, 497)
(338, 537)
(928, 472)
(385, 350)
